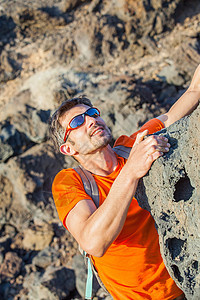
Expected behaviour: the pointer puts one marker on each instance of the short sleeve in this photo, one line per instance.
(153, 126)
(67, 190)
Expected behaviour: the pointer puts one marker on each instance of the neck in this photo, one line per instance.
(103, 162)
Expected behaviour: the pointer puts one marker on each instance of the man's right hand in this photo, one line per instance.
(144, 152)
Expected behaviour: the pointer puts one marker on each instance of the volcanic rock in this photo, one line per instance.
(171, 192)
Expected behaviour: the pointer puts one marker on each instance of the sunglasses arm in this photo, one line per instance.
(66, 134)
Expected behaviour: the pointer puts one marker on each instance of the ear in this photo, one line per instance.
(67, 149)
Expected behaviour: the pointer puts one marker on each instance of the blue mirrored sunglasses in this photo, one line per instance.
(79, 120)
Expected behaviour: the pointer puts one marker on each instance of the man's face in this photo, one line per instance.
(89, 137)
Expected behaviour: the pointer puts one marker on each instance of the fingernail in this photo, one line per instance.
(167, 149)
(168, 145)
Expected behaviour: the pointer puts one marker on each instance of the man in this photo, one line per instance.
(120, 236)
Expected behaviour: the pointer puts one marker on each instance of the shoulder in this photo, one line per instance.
(67, 182)
(66, 176)
(67, 190)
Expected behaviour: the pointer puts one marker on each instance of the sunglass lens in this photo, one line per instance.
(93, 112)
(77, 121)
(80, 119)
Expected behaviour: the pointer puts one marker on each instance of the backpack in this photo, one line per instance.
(91, 189)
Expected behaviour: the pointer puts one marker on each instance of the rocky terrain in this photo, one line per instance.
(132, 58)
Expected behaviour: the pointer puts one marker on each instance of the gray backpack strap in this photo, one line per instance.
(89, 184)
(88, 180)
(91, 189)
(122, 151)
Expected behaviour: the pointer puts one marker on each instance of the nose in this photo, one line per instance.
(90, 121)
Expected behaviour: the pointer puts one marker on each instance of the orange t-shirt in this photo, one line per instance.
(132, 267)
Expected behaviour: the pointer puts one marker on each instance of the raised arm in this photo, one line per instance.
(185, 104)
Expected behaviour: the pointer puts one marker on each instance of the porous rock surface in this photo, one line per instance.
(171, 192)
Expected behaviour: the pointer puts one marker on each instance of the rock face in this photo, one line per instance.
(171, 192)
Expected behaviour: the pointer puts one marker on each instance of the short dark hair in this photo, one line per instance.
(56, 130)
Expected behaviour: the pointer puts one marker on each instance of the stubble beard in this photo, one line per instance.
(103, 141)
(97, 143)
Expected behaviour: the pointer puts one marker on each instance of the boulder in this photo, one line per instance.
(171, 76)
(21, 130)
(53, 284)
(37, 238)
(11, 266)
(46, 257)
(59, 281)
(171, 192)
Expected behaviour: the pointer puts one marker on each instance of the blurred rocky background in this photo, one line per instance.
(132, 58)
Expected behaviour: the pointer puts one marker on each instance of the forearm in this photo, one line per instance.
(186, 103)
(184, 106)
(105, 224)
